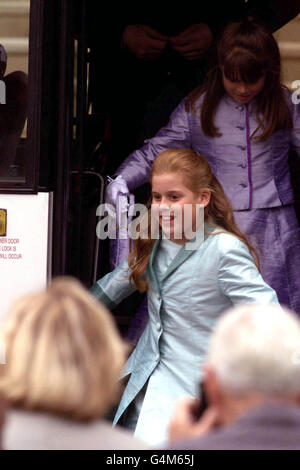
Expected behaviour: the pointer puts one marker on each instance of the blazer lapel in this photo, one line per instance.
(151, 270)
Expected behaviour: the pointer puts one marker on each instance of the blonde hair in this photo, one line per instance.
(197, 175)
(63, 353)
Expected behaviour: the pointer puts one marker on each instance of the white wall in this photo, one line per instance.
(25, 249)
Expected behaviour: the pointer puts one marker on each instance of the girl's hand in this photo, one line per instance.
(183, 425)
(143, 41)
(193, 42)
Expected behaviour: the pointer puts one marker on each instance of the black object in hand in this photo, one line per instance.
(202, 403)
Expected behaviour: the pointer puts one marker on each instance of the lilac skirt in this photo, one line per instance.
(275, 234)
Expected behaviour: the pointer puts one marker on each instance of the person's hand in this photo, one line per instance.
(143, 41)
(193, 42)
(183, 425)
(117, 187)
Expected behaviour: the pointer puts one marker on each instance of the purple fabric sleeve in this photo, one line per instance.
(176, 134)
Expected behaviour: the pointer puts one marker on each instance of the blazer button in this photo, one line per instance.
(158, 326)
(157, 358)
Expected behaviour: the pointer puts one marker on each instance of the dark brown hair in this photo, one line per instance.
(197, 175)
(246, 51)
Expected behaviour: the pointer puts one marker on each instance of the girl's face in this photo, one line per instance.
(243, 92)
(170, 197)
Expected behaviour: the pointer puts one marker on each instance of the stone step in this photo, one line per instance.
(17, 53)
(290, 54)
(289, 32)
(288, 39)
(14, 32)
(14, 18)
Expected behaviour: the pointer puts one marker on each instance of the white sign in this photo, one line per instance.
(24, 251)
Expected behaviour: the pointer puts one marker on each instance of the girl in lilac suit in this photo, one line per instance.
(245, 123)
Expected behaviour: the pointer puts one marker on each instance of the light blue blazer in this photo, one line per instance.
(195, 290)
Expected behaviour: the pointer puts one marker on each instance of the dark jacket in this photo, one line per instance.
(268, 427)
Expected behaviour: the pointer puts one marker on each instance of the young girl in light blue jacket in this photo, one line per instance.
(187, 289)
(245, 123)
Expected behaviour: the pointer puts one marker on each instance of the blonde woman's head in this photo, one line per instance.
(63, 353)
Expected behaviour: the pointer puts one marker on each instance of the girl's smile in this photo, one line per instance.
(170, 197)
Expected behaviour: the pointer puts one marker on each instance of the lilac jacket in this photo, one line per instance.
(254, 174)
